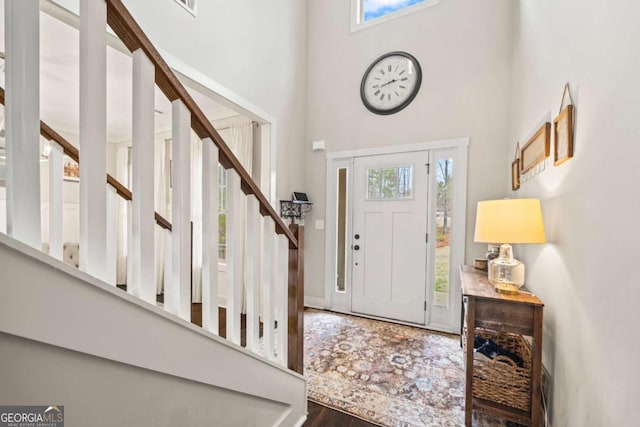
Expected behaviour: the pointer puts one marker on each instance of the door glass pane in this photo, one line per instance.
(373, 183)
(390, 183)
(443, 232)
(341, 241)
(405, 182)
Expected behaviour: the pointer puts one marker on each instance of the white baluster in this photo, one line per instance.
(131, 264)
(234, 255)
(93, 131)
(168, 257)
(56, 207)
(275, 295)
(210, 236)
(252, 272)
(178, 293)
(112, 236)
(143, 283)
(22, 97)
(268, 268)
(282, 248)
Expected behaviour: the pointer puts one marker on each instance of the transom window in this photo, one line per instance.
(365, 13)
(190, 5)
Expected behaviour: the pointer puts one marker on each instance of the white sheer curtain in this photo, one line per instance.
(240, 139)
(122, 175)
(241, 143)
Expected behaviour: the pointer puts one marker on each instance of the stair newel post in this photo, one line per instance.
(178, 291)
(282, 247)
(56, 202)
(235, 268)
(93, 137)
(210, 234)
(143, 283)
(296, 299)
(252, 272)
(268, 234)
(22, 118)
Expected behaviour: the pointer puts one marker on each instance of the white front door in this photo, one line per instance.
(389, 236)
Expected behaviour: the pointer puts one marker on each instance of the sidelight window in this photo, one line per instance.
(444, 188)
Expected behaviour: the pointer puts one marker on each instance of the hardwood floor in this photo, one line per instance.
(321, 416)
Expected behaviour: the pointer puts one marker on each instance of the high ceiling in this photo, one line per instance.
(59, 84)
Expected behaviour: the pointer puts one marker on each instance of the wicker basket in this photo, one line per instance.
(500, 380)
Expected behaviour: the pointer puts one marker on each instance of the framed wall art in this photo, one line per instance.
(563, 131)
(536, 150)
(515, 170)
(515, 175)
(71, 170)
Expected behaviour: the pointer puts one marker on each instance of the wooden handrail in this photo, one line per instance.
(130, 33)
(74, 154)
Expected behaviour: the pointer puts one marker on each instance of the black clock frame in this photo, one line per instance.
(412, 95)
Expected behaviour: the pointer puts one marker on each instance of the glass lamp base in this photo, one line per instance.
(505, 272)
(507, 288)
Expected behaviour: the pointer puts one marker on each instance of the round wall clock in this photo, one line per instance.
(390, 83)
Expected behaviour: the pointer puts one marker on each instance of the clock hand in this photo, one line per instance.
(388, 83)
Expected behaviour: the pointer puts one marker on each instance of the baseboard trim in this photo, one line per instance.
(314, 302)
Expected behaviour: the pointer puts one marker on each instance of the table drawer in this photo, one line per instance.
(503, 316)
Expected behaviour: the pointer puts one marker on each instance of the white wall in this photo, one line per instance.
(255, 49)
(463, 47)
(590, 205)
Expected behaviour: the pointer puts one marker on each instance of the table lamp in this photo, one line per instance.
(508, 221)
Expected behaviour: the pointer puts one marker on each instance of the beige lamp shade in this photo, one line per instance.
(509, 221)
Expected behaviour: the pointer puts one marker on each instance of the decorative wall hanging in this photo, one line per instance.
(534, 153)
(563, 130)
(515, 170)
(71, 170)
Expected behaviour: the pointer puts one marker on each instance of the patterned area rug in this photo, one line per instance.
(387, 374)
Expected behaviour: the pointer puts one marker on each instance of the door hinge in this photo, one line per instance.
(428, 165)
(425, 306)
(427, 238)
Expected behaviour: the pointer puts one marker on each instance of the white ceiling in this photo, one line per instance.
(59, 84)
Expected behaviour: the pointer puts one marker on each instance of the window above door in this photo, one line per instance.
(189, 5)
(367, 13)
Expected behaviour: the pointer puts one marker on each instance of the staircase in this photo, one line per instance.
(70, 336)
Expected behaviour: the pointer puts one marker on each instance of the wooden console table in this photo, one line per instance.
(521, 314)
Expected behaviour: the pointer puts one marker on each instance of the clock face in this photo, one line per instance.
(391, 83)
